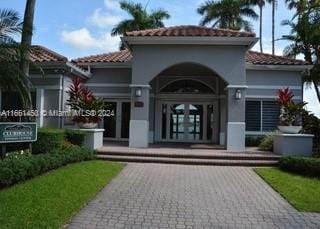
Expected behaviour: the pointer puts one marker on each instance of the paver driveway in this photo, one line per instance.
(178, 196)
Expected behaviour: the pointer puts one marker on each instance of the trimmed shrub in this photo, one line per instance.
(301, 165)
(16, 168)
(266, 143)
(253, 141)
(48, 140)
(75, 137)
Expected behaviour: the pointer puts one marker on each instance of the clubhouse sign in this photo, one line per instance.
(18, 132)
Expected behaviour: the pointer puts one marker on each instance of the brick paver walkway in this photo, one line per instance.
(179, 196)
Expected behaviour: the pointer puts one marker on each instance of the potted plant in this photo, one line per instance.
(84, 104)
(290, 112)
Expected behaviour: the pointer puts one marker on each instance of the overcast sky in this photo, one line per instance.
(77, 28)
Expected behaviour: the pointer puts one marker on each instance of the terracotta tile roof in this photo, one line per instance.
(188, 30)
(258, 58)
(252, 57)
(42, 54)
(114, 57)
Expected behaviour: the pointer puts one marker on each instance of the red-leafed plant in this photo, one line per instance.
(84, 103)
(290, 112)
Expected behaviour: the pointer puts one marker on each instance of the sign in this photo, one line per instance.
(18, 132)
(138, 104)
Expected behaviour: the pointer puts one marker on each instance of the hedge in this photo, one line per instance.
(48, 140)
(75, 137)
(15, 168)
(301, 165)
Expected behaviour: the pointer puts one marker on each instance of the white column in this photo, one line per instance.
(236, 127)
(139, 121)
(40, 106)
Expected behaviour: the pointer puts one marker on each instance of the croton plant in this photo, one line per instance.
(82, 100)
(290, 111)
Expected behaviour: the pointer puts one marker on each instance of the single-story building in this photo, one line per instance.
(178, 84)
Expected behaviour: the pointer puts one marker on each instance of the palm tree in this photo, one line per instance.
(26, 40)
(274, 8)
(140, 20)
(305, 39)
(228, 14)
(260, 4)
(11, 78)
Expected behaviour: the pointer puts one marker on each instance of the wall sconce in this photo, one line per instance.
(238, 94)
(138, 92)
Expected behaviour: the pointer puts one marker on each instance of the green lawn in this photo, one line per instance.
(302, 192)
(49, 201)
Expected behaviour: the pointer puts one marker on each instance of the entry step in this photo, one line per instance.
(188, 161)
(195, 155)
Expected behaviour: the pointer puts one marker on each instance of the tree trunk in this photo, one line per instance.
(273, 23)
(260, 30)
(26, 40)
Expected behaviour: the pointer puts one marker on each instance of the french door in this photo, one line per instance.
(186, 122)
(117, 126)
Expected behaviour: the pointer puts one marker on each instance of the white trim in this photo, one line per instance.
(268, 97)
(237, 123)
(116, 95)
(259, 132)
(190, 40)
(298, 68)
(107, 85)
(77, 69)
(53, 87)
(140, 85)
(273, 87)
(188, 96)
(236, 86)
(40, 106)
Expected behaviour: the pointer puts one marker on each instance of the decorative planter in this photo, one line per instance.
(89, 125)
(290, 129)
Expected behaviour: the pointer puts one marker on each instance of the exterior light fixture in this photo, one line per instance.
(138, 92)
(238, 94)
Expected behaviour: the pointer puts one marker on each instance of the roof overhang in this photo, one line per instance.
(127, 64)
(297, 68)
(245, 41)
(68, 67)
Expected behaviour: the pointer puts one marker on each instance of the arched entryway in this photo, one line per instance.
(188, 105)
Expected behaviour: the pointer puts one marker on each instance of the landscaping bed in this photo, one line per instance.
(301, 192)
(50, 200)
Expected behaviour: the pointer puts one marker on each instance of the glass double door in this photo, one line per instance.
(186, 122)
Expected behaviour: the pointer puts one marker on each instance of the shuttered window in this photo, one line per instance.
(253, 115)
(270, 113)
(262, 115)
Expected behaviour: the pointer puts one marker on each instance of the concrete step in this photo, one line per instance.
(188, 161)
(216, 156)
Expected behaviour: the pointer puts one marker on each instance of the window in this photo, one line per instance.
(262, 115)
(187, 86)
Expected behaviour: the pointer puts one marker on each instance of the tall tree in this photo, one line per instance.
(228, 14)
(140, 18)
(274, 8)
(11, 77)
(26, 41)
(260, 4)
(305, 38)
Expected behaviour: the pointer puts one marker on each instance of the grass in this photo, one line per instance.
(50, 200)
(301, 192)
